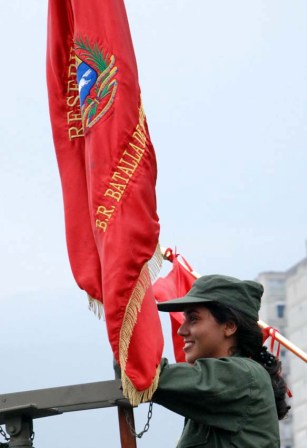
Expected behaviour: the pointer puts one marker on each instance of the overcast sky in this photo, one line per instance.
(224, 87)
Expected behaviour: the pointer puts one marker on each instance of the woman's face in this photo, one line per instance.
(203, 336)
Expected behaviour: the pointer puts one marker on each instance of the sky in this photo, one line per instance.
(224, 87)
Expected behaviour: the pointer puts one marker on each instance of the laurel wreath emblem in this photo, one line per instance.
(103, 92)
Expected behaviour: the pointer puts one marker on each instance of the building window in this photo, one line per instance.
(280, 310)
(276, 285)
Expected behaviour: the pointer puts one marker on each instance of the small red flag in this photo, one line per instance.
(176, 284)
(108, 172)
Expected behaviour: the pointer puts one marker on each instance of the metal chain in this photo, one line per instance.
(3, 434)
(146, 427)
(4, 445)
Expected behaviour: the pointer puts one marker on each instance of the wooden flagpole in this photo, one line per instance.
(127, 439)
(126, 423)
(273, 333)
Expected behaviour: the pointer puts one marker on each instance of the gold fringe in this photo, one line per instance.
(154, 266)
(132, 309)
(148, 274)
(96, 307)
(135, 396)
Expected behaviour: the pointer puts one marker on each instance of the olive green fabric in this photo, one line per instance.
(227, 402)
(243, 295)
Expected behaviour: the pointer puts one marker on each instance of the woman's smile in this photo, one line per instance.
(188, 345)
(203, 336)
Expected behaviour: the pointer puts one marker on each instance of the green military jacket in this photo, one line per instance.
(226, 402)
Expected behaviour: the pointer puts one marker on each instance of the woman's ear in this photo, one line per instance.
(230, 328)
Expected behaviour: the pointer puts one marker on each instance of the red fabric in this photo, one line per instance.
(176, 284)
(266, 333)
(271, 332)
(107, 167)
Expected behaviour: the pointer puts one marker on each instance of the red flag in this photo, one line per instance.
(176, 284)
(108, 173)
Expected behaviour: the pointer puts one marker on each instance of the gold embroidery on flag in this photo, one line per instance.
(97, 84)
(74, 117)
(125, 170)
(112, 86)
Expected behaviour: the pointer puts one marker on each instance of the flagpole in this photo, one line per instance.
(126, 430)
(125, 422)
(273, 333)
(284, 341)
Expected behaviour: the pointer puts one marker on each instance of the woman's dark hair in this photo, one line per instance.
(249, 344)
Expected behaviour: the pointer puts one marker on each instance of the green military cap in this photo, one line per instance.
(243, 295)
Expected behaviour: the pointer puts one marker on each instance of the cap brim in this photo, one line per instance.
(181, 304)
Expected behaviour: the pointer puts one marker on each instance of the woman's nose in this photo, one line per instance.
(183, 329)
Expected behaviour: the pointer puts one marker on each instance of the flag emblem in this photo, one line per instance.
(96, 80)
(86, 77)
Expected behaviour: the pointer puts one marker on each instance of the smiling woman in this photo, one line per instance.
(230, 390)
(204, 336)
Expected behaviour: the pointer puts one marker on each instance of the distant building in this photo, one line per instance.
(284, 307)
(274, 312)
(297, 333)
